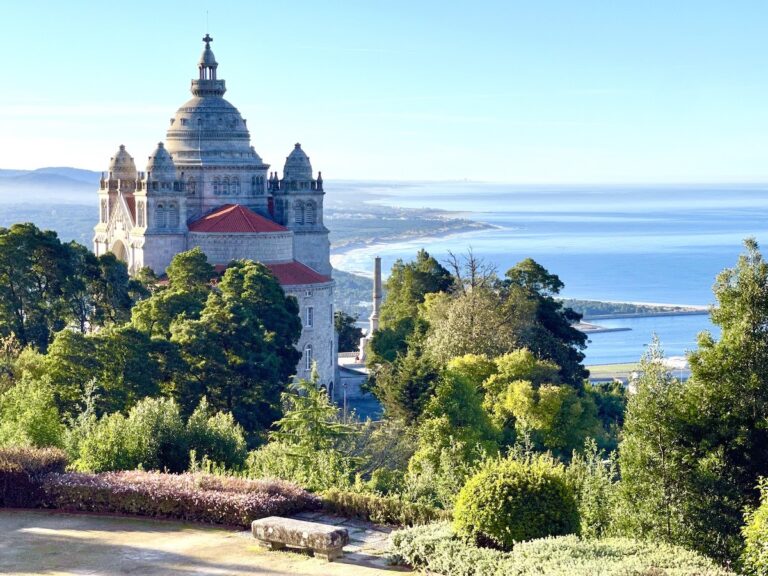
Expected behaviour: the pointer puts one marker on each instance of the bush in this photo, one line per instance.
(216, 437)
(511, 500)
(154, 437)
(437, 550)
(192, 497)
(28, 416)
(755, 555)
(380, 509)
(21, 472)
(327, 468)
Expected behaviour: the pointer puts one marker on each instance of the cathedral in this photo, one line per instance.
(207, 187)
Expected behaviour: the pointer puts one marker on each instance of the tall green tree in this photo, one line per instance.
(241, 352)
(652, 453)
(552, 335)
(727, 405)
(349, 333)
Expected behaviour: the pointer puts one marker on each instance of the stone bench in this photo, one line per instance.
(275, 533)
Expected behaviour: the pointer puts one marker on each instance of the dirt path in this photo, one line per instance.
(52, 543)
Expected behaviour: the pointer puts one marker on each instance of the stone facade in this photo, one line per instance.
(207, 187)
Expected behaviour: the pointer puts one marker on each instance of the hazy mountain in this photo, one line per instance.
(47, 185)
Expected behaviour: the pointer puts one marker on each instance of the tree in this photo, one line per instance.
(409, 283)
(552, 335)
(405, 386)
(477, 321)
(241, 351)
(652, 457)
(726, 411)
(349, 333)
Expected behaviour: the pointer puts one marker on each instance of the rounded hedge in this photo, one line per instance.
(510, 501)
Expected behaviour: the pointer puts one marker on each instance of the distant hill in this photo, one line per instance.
(60, 185)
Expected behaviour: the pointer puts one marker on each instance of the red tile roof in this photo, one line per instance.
(234, 218)
(295, 273)
(288, 273)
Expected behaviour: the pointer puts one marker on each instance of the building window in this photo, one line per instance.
(216, 185)
(310, 316)
(310, 214)
(236, 186)
(298, 212)
(160, 220)
(226, 187)
(308, 357)
(191, 186)
(173, 216)
(104, 211)
(140, 214)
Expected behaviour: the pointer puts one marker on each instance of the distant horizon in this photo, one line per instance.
(469, 180)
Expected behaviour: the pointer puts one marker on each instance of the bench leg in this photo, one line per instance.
(271, 545)
(329, 555)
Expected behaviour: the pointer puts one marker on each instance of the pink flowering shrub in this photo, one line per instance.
(22, 470)
(192, 497)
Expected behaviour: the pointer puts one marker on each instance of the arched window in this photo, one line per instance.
(254, 185)
(298, 212)
(160, 216)
(173, 216)
(140, 214)
(236, 186)
(191, 186)
(226, 186)
(104, 210)
(310, 214)
(308, 357)
(279, 212)
(216, 185)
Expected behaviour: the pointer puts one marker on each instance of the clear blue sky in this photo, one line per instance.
(515, 91)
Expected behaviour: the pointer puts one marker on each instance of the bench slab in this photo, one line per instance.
(325, 540)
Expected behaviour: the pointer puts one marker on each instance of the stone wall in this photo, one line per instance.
(261, 247)
(321, 334)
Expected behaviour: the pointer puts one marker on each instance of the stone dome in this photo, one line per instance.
(297, 166)
(122, 166)
(160, 166)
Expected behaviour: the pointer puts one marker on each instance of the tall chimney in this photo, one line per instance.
(374, 319)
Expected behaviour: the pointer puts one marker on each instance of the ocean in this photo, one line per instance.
(656, 244)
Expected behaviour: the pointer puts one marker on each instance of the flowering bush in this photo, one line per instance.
(437, 550)
(21, 473)
(192, 497)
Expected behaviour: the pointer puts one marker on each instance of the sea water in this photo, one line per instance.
(655, 244)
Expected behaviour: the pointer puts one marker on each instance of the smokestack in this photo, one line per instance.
(374, 319)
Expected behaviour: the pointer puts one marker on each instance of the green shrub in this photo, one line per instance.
(595, 482)
(21, 472)
(326, 468)
(755, 555)
(379, 509)
(436, 550)
(512, 500)
(28, 415)
(216, 436)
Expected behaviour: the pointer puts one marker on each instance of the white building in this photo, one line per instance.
(207, 187)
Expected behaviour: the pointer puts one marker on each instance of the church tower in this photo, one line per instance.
(298, 205)
(161, 211)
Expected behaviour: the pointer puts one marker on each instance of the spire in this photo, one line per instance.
(374, 319)
(207, 64)
(207, 84)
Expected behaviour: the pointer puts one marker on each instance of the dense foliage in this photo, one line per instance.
(512, 500)
(435, 549)
(379, 509)
(348, 332)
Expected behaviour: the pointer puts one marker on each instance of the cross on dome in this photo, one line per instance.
(207, 40)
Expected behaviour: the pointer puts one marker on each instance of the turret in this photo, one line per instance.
(160, 199)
